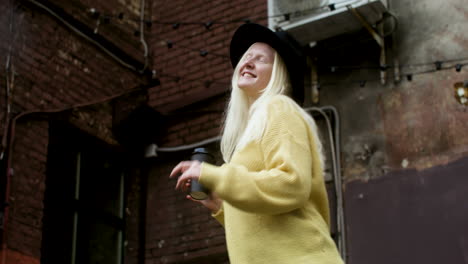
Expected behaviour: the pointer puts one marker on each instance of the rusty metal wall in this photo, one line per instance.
(404, 143)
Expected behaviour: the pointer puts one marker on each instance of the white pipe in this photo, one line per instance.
(334, 146)
(338, 178)
(190, 146)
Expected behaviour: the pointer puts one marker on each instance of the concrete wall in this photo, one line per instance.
(410, 134)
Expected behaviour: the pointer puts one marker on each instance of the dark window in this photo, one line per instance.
(84, 200)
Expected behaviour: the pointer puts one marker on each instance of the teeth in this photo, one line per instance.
(247, 73)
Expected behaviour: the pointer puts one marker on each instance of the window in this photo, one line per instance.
(84, 201)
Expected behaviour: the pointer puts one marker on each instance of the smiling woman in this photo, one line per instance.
(270, 194)
(255, 69)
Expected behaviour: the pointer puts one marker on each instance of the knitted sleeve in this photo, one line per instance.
(219, 216)
(285, 183)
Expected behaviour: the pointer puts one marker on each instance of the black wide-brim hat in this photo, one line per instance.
(283, 43)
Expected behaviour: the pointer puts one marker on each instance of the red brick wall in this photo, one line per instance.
(183, 59)
(179, 230)
(55, 68)
(194, 89)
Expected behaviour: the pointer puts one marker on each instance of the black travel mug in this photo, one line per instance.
(197, 190)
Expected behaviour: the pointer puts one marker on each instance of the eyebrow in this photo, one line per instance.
(261, 54)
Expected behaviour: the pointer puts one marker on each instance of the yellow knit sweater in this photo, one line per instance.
(275, 207)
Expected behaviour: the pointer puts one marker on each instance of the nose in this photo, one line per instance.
(249, 63)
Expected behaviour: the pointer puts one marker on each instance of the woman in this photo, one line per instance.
(270, 194)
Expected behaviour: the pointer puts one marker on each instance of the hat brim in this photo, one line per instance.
(248, 34)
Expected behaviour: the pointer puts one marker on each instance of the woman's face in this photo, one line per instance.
(255, 70)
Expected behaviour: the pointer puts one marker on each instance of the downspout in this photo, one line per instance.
(334, 137)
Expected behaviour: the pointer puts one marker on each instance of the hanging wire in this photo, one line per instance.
(202, 52)
(207, 23)
(438, 66)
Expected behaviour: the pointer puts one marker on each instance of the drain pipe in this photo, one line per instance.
(337, 179)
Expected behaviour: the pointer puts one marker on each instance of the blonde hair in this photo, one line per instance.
(245, 123)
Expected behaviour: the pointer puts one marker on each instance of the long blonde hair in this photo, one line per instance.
(245, 123)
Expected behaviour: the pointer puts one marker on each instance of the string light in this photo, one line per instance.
(169, 44)
(438, 65)
(202, 52)
(208, 24)
(409, 75)
(206, 83)
(362, 83)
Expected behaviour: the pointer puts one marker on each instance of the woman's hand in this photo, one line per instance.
(189, 170)
(213, 202)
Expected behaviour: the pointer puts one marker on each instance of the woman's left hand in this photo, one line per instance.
(189, 170)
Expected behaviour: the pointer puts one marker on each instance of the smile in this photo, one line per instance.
(248, 74)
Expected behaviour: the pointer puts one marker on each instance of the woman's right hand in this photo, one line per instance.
(213, 202)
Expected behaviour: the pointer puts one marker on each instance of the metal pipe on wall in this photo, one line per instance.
(337, 180)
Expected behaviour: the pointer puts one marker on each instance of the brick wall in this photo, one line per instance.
(55, 69)
(194, 90)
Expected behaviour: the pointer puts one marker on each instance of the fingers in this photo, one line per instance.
(180, 168)
(188, 170)
(181, 182)
(191, 199)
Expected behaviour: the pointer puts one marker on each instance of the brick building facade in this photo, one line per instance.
(86, 86)
(75, 72)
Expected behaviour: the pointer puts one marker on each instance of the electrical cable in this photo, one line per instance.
(208, 23)
(202, 52)
(203, 80)
(108, 52)
(189, 146)
(395, 23)
(142, 35)
(363, 82)
(334, 68)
